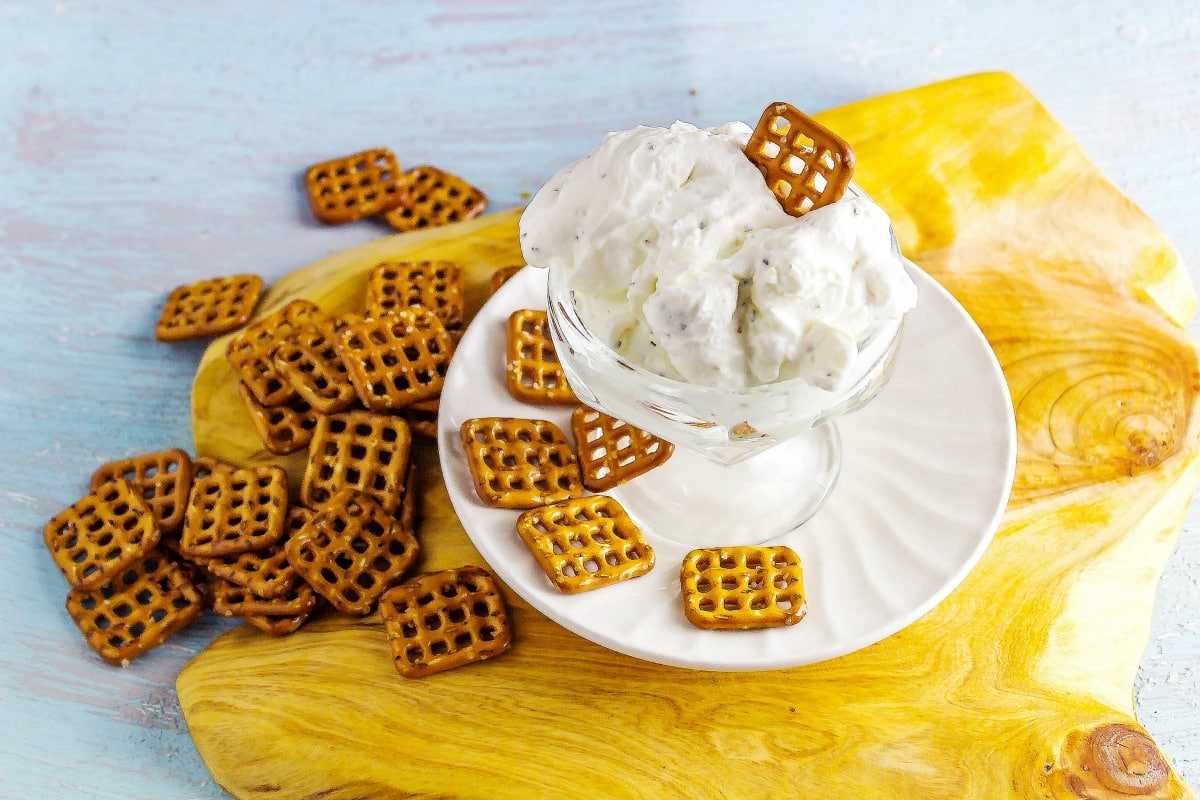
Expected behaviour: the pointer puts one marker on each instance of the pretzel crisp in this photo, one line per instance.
(203, 466)
(434, 197)
(408, 507)
(804, 163)
(235, 511)
(611, 451)
(442, 620)
(533, 372)
(352, 551)
(277, 626)
(501, 277)
(251, 353)
(739, 588)
(136, 610)
(309, 363)
(586, 543)
(353, 187)
(436, 285)
(199, 577)
(519, 463)
(208, 308)
(101, 534)
(231, 600)
(284, 428)
(423, 417)
(163, 478)
(360, 450)
(266, 573)
(396, 359)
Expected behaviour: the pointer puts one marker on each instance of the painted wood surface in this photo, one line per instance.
(146, 144)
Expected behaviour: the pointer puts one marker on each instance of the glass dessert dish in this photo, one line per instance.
(751, 464)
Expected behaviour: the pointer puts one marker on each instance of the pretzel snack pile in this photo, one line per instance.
(159, 536)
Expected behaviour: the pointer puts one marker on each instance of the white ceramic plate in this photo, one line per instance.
(927, 468)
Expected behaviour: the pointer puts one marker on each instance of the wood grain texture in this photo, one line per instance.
(996, 693)
(148, 144)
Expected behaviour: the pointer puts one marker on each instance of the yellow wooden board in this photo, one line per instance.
(1018, 685)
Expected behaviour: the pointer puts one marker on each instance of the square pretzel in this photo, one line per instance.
(252, 352)
(408, 507)
(502, 276)
(805, 164)
(442, 620)
(199, 577)
(352, 551)
(235, 511)
(284, 428)
(519, 463)
(740, 588)
(423, 417)
(363, 451)
(266, 573)
(308, 361)
(277, 626)
(135, 610)
(434, 197)
(353, 187)
(586, 543)
(231, 600)
(208, 308)
(396, 359)
(203, 466)
(435, 285)
(533, 372)
(164, 479)
(611, 451)
(101, 534)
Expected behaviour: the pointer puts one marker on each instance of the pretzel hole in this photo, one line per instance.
(784, 603)
(439, 648)
(769, 150)
(707, 605)
(727, 561)
(328, 575)
(794, 165)
(758, 603)
(780, 560)
(611, 559)
(782, 189)
(731, 604)
(729, 582)
(755, 583)
(781, 582)
(568, 570)
(351, 594)
(433, 622)
(702, 564)
(366, 580)
(407, 630)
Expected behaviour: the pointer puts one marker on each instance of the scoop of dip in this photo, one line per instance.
(681, 259)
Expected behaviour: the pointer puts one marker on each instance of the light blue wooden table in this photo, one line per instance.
(143, 145)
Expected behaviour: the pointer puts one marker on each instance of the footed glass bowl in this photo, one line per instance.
(759, 460)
